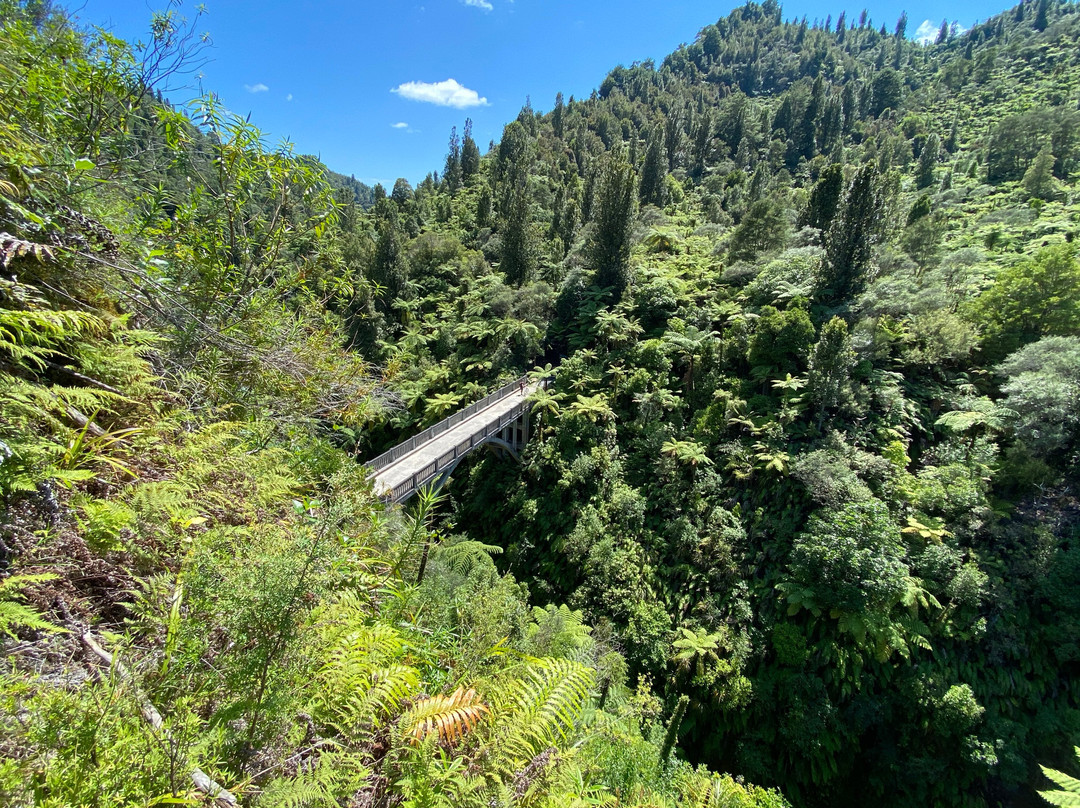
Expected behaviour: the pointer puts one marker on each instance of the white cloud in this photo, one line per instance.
(927, 32)
(256, 88)
(443, 93)
(288, 97)
(399, 125)
(484, 4)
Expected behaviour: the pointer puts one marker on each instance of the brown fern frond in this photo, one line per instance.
(12, 247)
(450, 716)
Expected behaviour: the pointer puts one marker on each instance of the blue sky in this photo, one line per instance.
(373, 88)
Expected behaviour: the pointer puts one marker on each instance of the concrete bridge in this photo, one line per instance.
(500, 420)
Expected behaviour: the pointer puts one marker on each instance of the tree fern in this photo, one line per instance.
(1068, 795)
(463, 556)
(559, 632)
(671, 736)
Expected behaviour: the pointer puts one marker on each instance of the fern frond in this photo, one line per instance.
(560, 781)
(15, 615)
(354, 696)
(722, 791)
(159, 501)
(463, 556)
(19, 581)
(1069, 795)
(390, 686)
(541, 709)
(363, 679)
(323, 783)
(374, 644)
(1064, 799)
(559, 632)
(573, 618)
(29, 337)
(51, 405)
(432, 778)
(448, 716)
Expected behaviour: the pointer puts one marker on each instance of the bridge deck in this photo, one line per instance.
(423, 456)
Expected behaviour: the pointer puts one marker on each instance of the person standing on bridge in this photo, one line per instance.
(521, 387)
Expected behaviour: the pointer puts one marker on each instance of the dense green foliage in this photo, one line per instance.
(801, 504)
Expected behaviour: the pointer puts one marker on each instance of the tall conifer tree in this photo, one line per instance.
(609, 248)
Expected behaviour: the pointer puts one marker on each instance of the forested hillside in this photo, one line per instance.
(800, 508)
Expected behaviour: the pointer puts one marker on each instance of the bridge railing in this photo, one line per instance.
(405, 489)
(402, 449)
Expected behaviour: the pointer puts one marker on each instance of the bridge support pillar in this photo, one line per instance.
(516, 433)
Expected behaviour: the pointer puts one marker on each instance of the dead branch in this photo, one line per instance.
(82, 422)
(79, 377)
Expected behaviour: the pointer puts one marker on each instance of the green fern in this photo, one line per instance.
(363, 679)
(539, 710)
(434, 779)
(120, 359)
(160, 502)
(32, 334)
(216, 463)
(51, 405)
(31, 338)
(570, 788)
(323, 782)
(102, 521)
(26, 462)
(1069, 794)
(465, 555)
(38, 414)
(559, 632)
(15, 615)
(217, 472)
